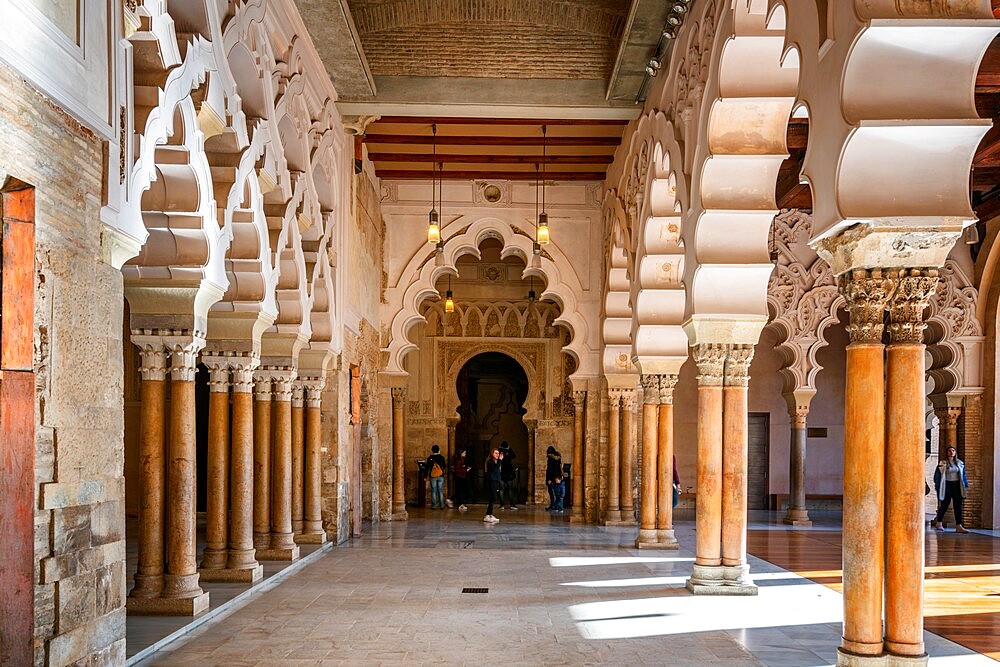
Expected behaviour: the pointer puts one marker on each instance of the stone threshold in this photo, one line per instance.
(230, 606)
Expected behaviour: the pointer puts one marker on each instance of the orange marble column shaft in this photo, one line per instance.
(864, 462)
(613, 512)
(948, 429)
(665, 463)
(281, 464)
(647, 474)
(579, 402)
(796, 514)
(734, 462)
(241, 487)
(399, 467)
(149, 575)
(217, 488)
(312, 526)
(298, 454)
(628, 447)
(181, 579)
(904, 491)
(262, 461)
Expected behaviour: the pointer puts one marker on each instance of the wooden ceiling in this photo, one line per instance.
(403, 147)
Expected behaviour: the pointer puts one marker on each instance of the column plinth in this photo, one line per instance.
(613, 514)
(579, 403)
(312, 525)
(399, 465)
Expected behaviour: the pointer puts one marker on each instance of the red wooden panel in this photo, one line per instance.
(17, 280)
(17, 519)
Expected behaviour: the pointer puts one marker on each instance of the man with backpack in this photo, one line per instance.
(436, 466)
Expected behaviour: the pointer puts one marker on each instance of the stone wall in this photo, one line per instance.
(79, 522)
(970, 448)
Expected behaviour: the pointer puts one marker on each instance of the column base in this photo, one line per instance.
(192, 606)
(311, 538)
(845, 659)
(576, 515)
(261, 540)
(227, 575)
(906, 660)
(290, 554)
(720, 580)
(297, 525)
(282, 541)
(797, 517)
(400, 515)
(621, 522)
(147, 586)
(611, 517)
(214, 559)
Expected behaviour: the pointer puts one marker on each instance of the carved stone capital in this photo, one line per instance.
(152, 359)
(183, 356)
(283, 378)
(298, 394)
(667, 384)
(262, 386)
(579, 400)
(313, 387)
(218, 376)
(242, 373)
(738, 365)
(948, 417)
(628, 399)
(711, 361)
(650, 389)
(914, 289)
(615, 398)
(398, 396)
(867, 291)
(798, 416)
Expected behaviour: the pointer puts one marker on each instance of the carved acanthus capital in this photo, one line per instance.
(152, 358)
(579, 400)
(313, 387)
(738, 365)
(398, 396)
(242, 368)
(183, 356)
(628, 399)
(298, 394)
(218, 376)
(867, 291)
(914, 289)
(798, 416)
(667, 384)
(650, 389)
(615, 398)
(948, 417)
(262, 386)
(711, 361)
(283, 378)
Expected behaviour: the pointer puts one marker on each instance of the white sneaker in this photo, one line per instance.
(463, 508)
(494, 519)
(449, 503)
(488, 519)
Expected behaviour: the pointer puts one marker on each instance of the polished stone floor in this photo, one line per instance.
(556, 594)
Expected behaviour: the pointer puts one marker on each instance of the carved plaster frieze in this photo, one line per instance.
(914, 288)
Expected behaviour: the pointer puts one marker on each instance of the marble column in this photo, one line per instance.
(735, 433)
(613, 514)
(866, 292)
(298, 454)
(531, 424)
(242, 565)
(399, 466)
(217, 489)
(665, 464)
(262, 461)
(579, 403)
(648, 535)
(904, 450)
(152, 373)
(798, 412)
(708, 575)
(282, 545)
(629, 446)
(312, 525)
(181, 590)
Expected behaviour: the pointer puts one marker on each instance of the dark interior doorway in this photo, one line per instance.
(758, 460)
(492, 388)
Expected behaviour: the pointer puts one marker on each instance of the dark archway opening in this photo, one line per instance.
(492, 389)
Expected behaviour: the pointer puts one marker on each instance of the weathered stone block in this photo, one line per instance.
(110, 587)
(75, 602)
(66, 648)
(107, 522)
(70, 529)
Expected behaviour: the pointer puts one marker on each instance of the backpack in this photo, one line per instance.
(436, 470)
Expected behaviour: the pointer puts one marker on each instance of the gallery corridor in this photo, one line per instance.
(558, 593)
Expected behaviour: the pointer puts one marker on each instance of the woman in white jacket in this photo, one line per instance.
(951, 486)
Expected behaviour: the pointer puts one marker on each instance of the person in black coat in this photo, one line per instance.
(553, 471)
(493, 465)
(508, 474)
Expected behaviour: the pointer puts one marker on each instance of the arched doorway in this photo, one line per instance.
(492, 388)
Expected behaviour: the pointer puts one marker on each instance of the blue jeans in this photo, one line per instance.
(560, 494)
(437, 491)
(552, 496)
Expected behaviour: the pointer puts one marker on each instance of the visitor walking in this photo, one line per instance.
(436, 465)
(460, 470)
(553, 471)
(951, 485)
(508, 474)
(493, 482)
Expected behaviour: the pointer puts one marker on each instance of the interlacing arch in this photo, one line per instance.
(560, 280)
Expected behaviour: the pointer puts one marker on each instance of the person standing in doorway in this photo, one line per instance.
(436, 465)
(553, 471)
(507, 475)
(951, 485)
(493, 482)
(460, 469)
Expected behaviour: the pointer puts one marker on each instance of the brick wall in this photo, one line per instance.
(79, 522)
(970, 450)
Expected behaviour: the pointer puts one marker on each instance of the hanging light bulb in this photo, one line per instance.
(542, 233)
(531, 289)
(449, 301)
(433, 218)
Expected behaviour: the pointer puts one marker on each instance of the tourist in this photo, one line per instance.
(508, 474)
(436, 465)
(553, 471)
(951, 486)
(493, 482)
(460, 470)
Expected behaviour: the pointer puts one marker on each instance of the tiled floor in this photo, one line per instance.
(558, 594)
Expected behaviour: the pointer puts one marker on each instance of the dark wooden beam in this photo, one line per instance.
(989, 68)
(797, 136)
(408, 174)
(488, 140)
(455, 120)
(989, 147)
(491, 159)
(985, 176)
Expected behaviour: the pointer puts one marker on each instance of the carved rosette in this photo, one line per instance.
(914, 289)
(711, 361)
(738, 365)
(667, 384)
(650, 389)
(866, 291)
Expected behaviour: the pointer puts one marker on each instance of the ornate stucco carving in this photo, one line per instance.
(711, 361)
(914, 288)
(867, 292)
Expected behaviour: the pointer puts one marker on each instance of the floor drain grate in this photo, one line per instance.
(475, 590)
